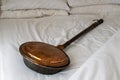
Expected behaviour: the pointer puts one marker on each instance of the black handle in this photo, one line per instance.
(91, 27)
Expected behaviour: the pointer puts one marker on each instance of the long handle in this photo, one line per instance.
(91, 27)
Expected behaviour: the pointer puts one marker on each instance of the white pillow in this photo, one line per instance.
(103, 10)
(76, 3)
(33, 4)
(31, 13)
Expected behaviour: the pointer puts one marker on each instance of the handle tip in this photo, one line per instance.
(100, 21)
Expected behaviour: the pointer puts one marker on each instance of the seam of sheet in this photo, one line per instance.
(102, 46)
(108, 41)
(98, 50)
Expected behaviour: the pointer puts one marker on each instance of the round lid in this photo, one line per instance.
(44, 54)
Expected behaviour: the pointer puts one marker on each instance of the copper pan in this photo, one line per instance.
(48, 59)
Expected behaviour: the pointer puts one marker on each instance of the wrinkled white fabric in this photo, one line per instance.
(76, 3)
(102, 10)
(102, 65)
(34, 4)
(57, 30)
(31, 13)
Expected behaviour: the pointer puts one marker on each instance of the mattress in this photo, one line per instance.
(94, 56)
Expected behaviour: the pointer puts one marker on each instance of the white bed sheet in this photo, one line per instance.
(85, 53)
(77, 3)
(106, 10)
(31, 13)
(102, 65)
(31, 4)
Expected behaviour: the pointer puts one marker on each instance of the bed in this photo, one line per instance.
(95, 56)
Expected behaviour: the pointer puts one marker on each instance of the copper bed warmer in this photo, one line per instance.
(48, 59)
